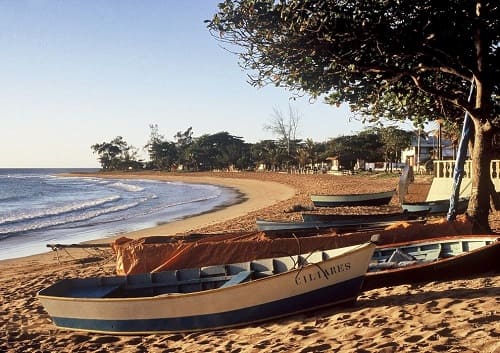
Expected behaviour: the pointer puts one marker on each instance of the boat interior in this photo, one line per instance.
(184, 280)
(416, 253)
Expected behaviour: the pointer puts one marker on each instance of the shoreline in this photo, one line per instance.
(249, 197)
(450, 315)
(252, 195)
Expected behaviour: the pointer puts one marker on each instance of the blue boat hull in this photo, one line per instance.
(340, 293)
(370, 199)
(210, 297)
(435, 207)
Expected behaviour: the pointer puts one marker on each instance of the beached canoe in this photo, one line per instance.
(156, 254)
(271, 227)
(436, 207)
(363, 218)
(211, 297)
(369, 199)
(438, 259)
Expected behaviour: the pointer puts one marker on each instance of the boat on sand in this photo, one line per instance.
(433, 259)
(363, 218)
(211, 297)
(436, 207)
(367, 199)
(285, 228)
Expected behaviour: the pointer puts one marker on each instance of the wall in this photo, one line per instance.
(442, 183)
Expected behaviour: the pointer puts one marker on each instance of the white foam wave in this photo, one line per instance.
(206, 198)
(126, 187)
(56, 221)
(54, 211)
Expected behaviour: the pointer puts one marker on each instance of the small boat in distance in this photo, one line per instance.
(436, 207)
(211, 297)
(369, 199)
(438, 259)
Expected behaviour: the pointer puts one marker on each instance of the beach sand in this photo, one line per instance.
(448, 316)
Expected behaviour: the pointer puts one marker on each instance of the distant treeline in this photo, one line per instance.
(223, 151)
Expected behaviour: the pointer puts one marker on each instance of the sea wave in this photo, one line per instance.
(21, 216)
(11, 198)
(126, 187)
(8, 230)
(41, 208)
(201, 199)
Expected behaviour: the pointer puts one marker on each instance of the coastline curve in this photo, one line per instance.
(255, 195)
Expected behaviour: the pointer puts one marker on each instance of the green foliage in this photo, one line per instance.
(219, 151)
(184, 138)
(269, 153)
(387, 59)
(162, 153)
(396, 59)
(351, 148)
(392, 141)
(183, 141)
(224, 151)
(117, 155)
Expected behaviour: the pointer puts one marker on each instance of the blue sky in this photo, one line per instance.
(75, 73)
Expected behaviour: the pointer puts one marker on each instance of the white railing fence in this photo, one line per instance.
(444, 169)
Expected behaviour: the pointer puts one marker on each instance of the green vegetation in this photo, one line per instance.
(117, 155)
(223, 151)
(399, 60)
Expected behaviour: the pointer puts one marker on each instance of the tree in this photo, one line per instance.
(117, 155)
(397, 59)
(351, 148)
(165, 155)
(162, 153)
(267, 152)
(369, 145)
(184, 138)
(392, 140)
(450, 130)
(309, 152)
(219, 151)
(285, 128)
(183, 141)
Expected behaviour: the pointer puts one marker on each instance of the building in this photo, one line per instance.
(425, 149)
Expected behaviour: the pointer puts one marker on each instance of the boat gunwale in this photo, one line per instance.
(354, 249)
(433, 202)
(375, 194)
(494, 238)
(396, 216)
(439, 261)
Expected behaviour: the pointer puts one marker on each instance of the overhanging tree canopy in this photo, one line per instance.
(397, 59)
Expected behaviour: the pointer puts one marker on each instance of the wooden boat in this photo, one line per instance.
(369, 199)
(342, 226)
(437, 259)
(436, 207)
(156, 254)
(365, 218)
(211, 297)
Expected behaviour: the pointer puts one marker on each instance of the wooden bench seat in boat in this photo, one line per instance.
(236, 279)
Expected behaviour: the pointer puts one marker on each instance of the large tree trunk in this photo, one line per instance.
(479, 204)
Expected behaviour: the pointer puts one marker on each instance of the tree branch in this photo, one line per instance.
(452, 98)
(444, 69)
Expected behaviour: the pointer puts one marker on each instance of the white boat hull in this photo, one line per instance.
(327, 282)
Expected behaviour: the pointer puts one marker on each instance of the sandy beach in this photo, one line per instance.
(447, 316)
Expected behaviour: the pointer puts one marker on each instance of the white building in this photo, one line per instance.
(424, 149)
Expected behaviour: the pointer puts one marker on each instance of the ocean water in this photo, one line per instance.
(38, 207)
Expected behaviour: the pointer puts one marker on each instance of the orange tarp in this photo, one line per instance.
(153, 254)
